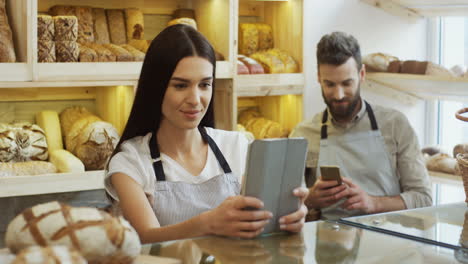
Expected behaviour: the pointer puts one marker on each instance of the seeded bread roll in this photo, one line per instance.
(120, 53)
(53, 254)
(99, 237)
(137, 55)
(67, 51)
(66, 28)
(45, 28)
(116, 23)
(135, 23)
(85, 24)
(104, 55)
(101, 30)
(87, 54)
(46, 51)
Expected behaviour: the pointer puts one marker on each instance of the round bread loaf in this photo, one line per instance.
(53, 254)
(98, 236)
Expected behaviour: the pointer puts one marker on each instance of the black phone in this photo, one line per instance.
(331, 173)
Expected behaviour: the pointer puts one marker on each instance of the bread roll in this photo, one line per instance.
(87, 137)
(378, 62)
(45, 28)
(99, 237)
(141, 45)
(66, 28)
(116, 23)
(253, 66)
(101, 30)
(248, 39)
(7, 48)
(135, 23)
(67, 51)
(85, 24)
(265, 36)
(442, 163)
(438, 70)
(87, 54)
(65, 162)
(103, 54)
(183, 20)
(53, 254)
(46, 51)
(120, 53)
(26, 168)
(137, 55)
(270, 63)
(241, 68)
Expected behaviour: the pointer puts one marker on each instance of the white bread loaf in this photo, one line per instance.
(87, 137)
(442, 163)
(64, 161)
(378, 62)
(53, 254)
(8, 169)
(98, 236)
(458, 70)
(50, 123)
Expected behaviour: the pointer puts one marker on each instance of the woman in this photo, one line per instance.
(173, 174)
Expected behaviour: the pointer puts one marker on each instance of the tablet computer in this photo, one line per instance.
(274, 168)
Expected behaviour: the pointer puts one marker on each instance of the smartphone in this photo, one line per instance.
(331, 173)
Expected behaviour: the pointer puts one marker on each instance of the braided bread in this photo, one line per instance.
(98, 236)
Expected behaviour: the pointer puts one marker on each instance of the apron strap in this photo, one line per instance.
(370, 113)
(157, 162)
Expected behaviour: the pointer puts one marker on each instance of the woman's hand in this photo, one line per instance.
(295, 221)
(231, 218)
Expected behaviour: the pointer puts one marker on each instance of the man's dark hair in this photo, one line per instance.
(336, 48)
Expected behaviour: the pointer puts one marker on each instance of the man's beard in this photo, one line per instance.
(342, 113)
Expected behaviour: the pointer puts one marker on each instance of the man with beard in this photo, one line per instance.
(375, 148)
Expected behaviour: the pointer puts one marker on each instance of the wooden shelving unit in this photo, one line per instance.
(423, 86)
(270, 84)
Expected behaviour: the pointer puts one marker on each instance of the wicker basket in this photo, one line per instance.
(463, 164)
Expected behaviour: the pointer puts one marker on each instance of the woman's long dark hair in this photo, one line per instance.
(169, 47)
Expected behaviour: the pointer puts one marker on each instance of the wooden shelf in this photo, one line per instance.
(445, 178)
(414, 9)
(51, 183)
(15, 72)
(424, 86)
(269, 84)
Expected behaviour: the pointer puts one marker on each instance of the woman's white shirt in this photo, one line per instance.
(134, 160)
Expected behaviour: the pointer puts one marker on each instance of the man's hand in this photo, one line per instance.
(358, 199)
(325, 193)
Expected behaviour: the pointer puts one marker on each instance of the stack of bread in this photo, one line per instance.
(441, 161)
(23, 150)
(88, 137)
(59, 233)
(87, 34)
(7, 49)
(259, 126)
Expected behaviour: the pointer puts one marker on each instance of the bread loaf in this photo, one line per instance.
(269, 62)
(248, 39)
(99, 237)
(135, 23)
(62, 10)
(103, 54)
(253, 66)
(265, 36)
(67, 51)
(183, 20)
(290, 65)
(45, 28)
(378, 62)
(22, 142)
(87, 54)
(241, 68)
(87, 137)
(101, 31)
(64, 161)
(120, 53)
(137, 55)
(264, 128)
(414, 67)
(141, 45)
(116, 23)
(26, 168)
(66, 28)
(438, 70)
(52, 254)
(460, 149)
(8, 146)
(85, 24)
(394, 66)
(50, 124)
(46, 51)
(7, 48)
(246, 115)
(442, 163)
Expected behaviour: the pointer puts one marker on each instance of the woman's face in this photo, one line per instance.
(188, 93)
